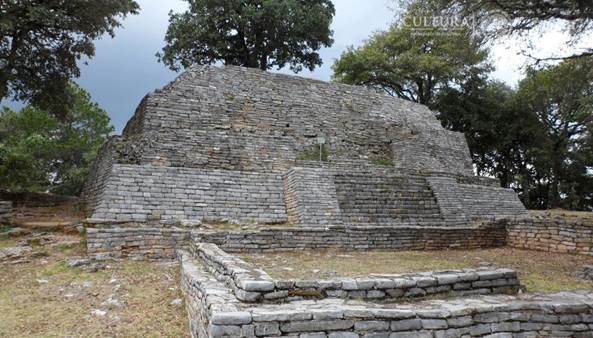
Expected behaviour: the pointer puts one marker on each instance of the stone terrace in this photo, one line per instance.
(231, 143)
(221, 290)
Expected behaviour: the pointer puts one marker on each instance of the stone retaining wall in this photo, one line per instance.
(461, 203)
(5, 212)
(138, 243)
(310, 196)
(215, 312)
(140, 193)
(355, 238)
(155, 243)
(251, 284)
(552, 234)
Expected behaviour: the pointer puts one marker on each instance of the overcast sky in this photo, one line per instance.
(125, 68)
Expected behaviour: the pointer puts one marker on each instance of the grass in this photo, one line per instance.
(383, 161)
(47, 298)
(7, 242)
(586, 215)
(314, 153)
(219, 225)
(538, 271)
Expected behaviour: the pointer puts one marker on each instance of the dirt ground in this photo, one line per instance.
(538, 271)
(45, 297)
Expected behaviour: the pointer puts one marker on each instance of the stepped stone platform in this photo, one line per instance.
(295, 164)
(212, 283)
(232, 143)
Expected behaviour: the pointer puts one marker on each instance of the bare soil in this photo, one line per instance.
(538, 271)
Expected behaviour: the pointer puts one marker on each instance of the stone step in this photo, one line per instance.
(215, 312)
(252, 284)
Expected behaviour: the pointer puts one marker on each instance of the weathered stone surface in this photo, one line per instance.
(552, 315)
(586, 273)
(254, 285)
(5, 212)
(240, 144)
(551, 233)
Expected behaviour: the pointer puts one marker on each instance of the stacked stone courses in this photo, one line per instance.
(230, 143)
(250, 284)
(136, 243)
(216, 312)
(551, 234)
(356, 238)
(5, 212)
(229, 160)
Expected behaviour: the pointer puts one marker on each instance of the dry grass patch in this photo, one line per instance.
(568, 214)
(538, 271)
(47, 298)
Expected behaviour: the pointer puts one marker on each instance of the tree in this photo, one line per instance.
(536, 139)
(519, 17)
(251, 33)
(561, 96)
(415, 62)
(39, 152)
(498, 132)
(42, 41)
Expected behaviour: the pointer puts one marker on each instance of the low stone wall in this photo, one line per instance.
(356, 238)
(250, 284)
(215, 312)
(137, 243)
(552, 234)
(5, 212)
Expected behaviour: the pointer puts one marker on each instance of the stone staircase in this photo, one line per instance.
(386, 200)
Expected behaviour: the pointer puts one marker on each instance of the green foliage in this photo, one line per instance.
(561, 97)
(252, 33)
(383, 161)
(414, 65)
(537, 138)
(39, 152)
(314, 153)
(42, 42)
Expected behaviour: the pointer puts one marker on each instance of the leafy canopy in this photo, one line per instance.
(251, 33)
(414, 62)
(41, 42)
(39, 152)
(561, 98)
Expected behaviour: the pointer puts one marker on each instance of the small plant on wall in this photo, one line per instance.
(383, 161)
(314, 152)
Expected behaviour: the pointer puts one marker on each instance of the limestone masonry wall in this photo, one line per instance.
(148, 192)
(215, 312)
(552, 234)
(544, 234)
(355, 238)
(5, 212)
(100, 170)
(385, 199)
(238, 118)
(310, 196)
(461, 203)
(232, 143)
(251, 284)
(145, 243)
